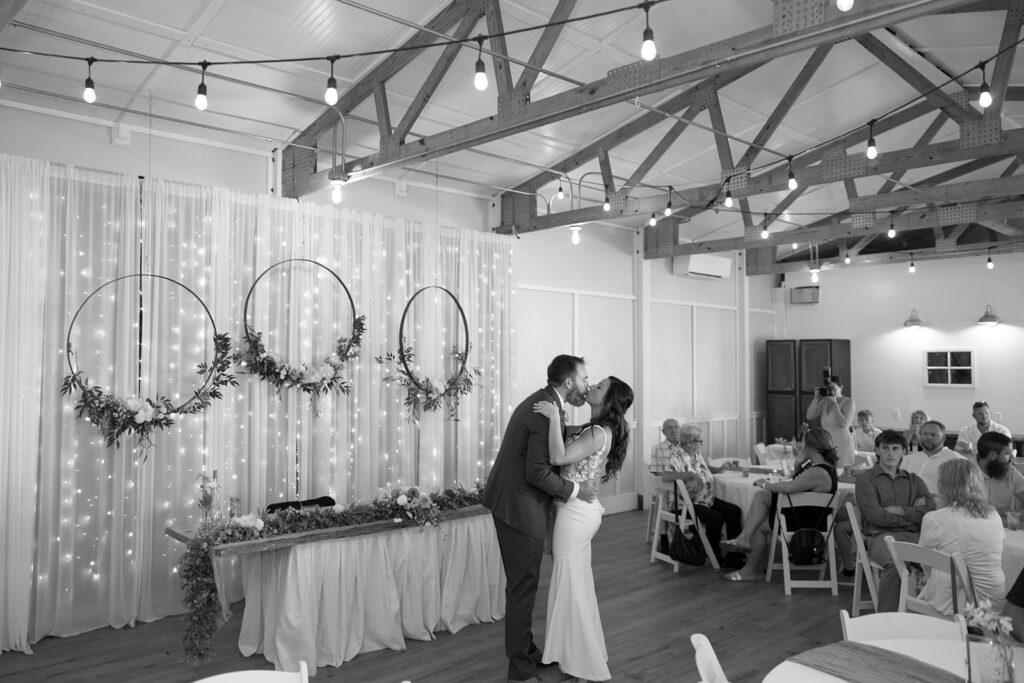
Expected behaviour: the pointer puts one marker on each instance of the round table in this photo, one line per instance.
(734, 488)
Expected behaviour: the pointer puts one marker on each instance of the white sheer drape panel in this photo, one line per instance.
(87, 548)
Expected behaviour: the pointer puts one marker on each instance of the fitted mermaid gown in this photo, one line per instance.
(573, 635)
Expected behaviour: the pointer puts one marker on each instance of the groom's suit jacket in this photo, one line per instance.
(522, 482)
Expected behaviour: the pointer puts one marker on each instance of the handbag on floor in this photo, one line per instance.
(808, 545)
(686, 549)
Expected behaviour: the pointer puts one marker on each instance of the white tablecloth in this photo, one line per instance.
(938, 653)
(734, 488)
(326, 602)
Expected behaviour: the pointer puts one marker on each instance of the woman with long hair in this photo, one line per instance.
(913, 433)
(968, 525)
(836, 413)
(815, 472)
(573, 636)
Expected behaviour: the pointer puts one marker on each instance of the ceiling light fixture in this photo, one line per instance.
(575, 229)
(480, 78)
(201, 102)
(872, 150)
(89, 94)
(331, 94)
(814, 275)
(668, 206)
(648, 50)
(913, 321)
(985, 96)
(989, 318)
(792, 178)
(892, 225)
(844, 5)
(728, 199)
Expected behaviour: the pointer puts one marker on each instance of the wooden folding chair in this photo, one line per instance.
(663, 517)
(867, 570)
(904, 554)
(781, 531)
(688, 517)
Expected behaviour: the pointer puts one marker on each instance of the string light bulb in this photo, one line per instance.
(654, 219)
(792, 178)
(847, 259)
(480, 78)
(985, 96)
(201, 102)
(89, 94)
(764, 228)
(912, 269)
(844, 5)
(989, 264)
(728, 199)
(814, 275)
(668, 205)
(892, 226)
(648, 50)
(607, 206)
(561, 193)
(575, 229)
(872, 151)
(331, 94)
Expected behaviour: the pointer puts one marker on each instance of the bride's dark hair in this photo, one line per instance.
(617, 401)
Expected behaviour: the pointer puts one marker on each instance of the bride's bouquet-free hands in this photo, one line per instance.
(547, 409)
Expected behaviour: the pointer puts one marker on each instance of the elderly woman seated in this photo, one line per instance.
(815, 472)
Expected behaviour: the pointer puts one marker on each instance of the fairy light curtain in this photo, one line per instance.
(83, 525)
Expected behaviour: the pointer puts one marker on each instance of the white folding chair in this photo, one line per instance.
(707, 661)
(760, 454)
(904, 553)
(781, 531)
(652, 508)
(663, 517)
(867, 570)
(688, 518)
(261, 676)
(902, 625)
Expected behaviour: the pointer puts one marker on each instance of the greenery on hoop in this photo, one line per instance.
(318, 381)
(406, 507)
(115, 416)
(423, 393)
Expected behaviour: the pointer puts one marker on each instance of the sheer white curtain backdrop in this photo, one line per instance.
(81, 539)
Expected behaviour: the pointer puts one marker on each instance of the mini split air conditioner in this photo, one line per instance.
(702, 266)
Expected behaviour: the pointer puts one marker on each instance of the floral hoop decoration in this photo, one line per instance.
(115, 416)
(316, 381)
(421, 392)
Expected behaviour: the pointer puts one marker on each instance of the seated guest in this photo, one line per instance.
(1014, 607)
(1004, 482)
(815, 472)
(969, 526)
(667, 455)
(892, 502)
(912, 435)
(865, 432)
(967, 440)
(925, 463)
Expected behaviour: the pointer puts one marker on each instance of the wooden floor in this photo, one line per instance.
(647, 611)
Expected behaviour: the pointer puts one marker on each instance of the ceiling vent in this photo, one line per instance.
(702, 266)
(803, 295)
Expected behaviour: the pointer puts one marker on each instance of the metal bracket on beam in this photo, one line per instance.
(634, 75)
(662, 236)
(795, 15)
(389, 148)
(835, 168)
(945, 244)
(961, 213)
(705, 96)
(735, 178)
(984, 131)
(617, 200)
(752, 233)
(863, 221)
(1015, 12)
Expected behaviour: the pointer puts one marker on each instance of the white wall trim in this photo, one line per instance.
(677, 302)
(576, 292)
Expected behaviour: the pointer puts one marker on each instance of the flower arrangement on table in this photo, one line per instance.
(998, 627)
(316, 381)
(115, 416)
(423, 393)
(406, 507)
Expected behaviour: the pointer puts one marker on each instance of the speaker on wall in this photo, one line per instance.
(804, 295)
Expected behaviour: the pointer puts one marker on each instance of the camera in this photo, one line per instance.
(826, 379)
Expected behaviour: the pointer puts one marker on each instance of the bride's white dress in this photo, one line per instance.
(573, 635)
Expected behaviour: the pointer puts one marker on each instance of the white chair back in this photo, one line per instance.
(760, 454)
(663, 517)
(261, 676)
(707, 661)
(904, 553)
(782, 534)
(867, 570)
(688, 517)
(902, 625)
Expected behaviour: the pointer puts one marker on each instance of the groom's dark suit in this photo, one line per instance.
(519, 494)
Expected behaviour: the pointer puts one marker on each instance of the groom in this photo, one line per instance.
(519, 494)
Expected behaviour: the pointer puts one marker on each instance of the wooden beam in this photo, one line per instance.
(919, 219)
(1007, 50)
(606, 172)
(916, 79)
(861, 243)
(496, 27)
(957, 231)
(954, 193)
(8, 10)
(380, 101)
(926, 137)
(745, 50)
(721, 135)
(426, 91)
(542, 49)
(663, 146)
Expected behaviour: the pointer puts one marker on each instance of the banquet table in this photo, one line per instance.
(325, 601)
(734, 488)
(928, 651)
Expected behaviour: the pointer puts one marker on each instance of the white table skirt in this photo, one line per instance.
(326, 602)
(734, 488)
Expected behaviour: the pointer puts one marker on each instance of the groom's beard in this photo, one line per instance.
(997, 469)
(575, 397)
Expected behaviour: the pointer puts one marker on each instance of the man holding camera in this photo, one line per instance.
(836, 413)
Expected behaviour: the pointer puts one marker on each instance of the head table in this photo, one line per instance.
(323, 597)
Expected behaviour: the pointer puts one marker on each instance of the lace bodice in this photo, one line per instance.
(591, 466)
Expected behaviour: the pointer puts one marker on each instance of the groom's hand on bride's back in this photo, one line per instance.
(588, 491)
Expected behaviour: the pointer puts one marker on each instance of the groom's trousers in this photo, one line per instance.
(521, 556)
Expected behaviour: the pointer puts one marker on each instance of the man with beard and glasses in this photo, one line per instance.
(967, 440)
(519, 493)
(1004, 482)
(925, 462)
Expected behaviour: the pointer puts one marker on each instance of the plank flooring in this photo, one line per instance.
(648, 613)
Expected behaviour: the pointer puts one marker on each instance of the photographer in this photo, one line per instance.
(836, 413)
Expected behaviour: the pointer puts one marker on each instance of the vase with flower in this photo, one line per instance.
(207, 493)
(997, 629)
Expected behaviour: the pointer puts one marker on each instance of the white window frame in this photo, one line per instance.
(948, 385)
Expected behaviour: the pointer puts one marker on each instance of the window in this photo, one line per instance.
(949, 368)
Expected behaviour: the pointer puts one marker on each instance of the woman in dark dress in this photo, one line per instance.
(815, 473)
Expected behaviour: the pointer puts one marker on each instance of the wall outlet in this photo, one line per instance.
(896, 414)
(997, 415)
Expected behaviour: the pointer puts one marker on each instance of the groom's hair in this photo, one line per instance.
(562, 367)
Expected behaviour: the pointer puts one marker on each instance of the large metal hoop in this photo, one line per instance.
(401, 335)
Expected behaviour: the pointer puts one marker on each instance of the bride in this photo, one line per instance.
(573, 634)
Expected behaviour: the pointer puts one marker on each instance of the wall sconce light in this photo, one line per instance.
(989, 318)
(913, 321)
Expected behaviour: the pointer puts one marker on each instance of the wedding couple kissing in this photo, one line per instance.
(542, 463)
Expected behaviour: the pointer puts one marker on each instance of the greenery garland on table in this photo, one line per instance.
(406, 507)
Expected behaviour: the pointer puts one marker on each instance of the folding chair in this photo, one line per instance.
(867, 570)
(260, 676)
(652, 508)
(688, 517)
(902, 625)
(904, 553)
(663, 515)
(760, 454)
(708, 667)
(781, 531)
